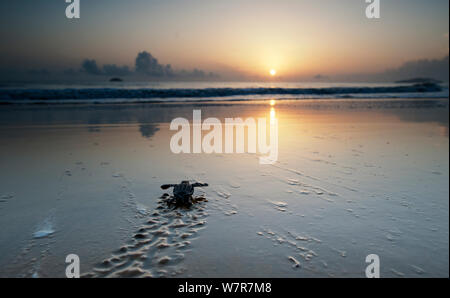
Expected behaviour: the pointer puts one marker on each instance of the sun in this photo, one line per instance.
(273, 72)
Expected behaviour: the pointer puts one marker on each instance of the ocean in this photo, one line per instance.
(141, 92)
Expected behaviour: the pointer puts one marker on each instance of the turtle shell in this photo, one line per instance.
(184, 189)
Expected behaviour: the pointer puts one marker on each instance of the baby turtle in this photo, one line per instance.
(182, 193)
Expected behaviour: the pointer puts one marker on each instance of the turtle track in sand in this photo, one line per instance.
(158, 247)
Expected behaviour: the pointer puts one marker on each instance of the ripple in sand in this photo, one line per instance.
(165, 231)
(234, 184)
(131, 272)
(140, 236)
(163, 245)
(417, 269)
(398, 273)
(5, 198)
(390, 237)
(161, 232)
(295, 261)
(279, 204)
(164, 260)
(293, 182)
(185, 235)
(178, 224)
(224, 195)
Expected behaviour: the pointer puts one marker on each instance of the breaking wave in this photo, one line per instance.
(175, 94)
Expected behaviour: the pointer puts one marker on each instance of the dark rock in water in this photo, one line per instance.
(116, 80)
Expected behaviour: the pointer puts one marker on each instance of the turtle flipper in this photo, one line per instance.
(166, 186)
(199, 184)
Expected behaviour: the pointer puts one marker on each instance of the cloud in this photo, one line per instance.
(435, 69)
(146, 67)
(90, 67)
(147, 64)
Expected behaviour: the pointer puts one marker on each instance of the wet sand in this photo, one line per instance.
(353, 178)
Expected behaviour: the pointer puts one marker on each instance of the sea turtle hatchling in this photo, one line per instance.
(182, 193)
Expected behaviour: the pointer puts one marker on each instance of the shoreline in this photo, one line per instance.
(212, 102)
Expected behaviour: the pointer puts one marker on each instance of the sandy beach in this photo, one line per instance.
(353, 178)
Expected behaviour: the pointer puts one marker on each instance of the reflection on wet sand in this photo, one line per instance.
(148, 130)
(352, 178)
